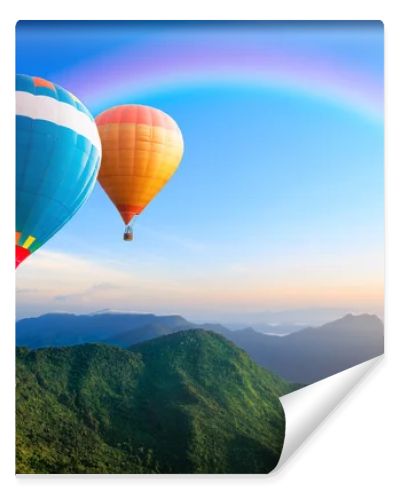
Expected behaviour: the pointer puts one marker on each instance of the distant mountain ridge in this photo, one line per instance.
(188, 402)
(304, 356)
(313, 353)
(62, 329)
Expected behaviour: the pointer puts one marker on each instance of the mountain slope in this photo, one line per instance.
(59, 409)
(315, 353)
(186, 402)
(304, 356)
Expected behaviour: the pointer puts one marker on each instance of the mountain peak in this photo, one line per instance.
(304, 356)
(186, 344)
(188, 402)
(352, 319)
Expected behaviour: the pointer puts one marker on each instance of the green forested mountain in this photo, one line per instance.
(189, 402)
(304, 356)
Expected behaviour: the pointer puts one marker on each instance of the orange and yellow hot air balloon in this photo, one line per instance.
(142, 148)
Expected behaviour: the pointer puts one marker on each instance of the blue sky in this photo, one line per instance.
(277, 204)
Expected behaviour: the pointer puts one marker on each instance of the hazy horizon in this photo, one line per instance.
(295, 317)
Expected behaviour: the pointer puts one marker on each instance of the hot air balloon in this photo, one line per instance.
(58, 152)
(142, 148)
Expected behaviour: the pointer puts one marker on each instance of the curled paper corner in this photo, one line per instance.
(306, 408)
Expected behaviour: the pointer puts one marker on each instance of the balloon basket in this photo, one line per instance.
(128, 234)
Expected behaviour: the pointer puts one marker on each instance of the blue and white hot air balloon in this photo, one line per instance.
(58, 153)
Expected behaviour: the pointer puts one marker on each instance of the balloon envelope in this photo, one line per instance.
(142, 148)
(58, 154)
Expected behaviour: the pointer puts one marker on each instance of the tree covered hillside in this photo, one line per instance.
(189, 402)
